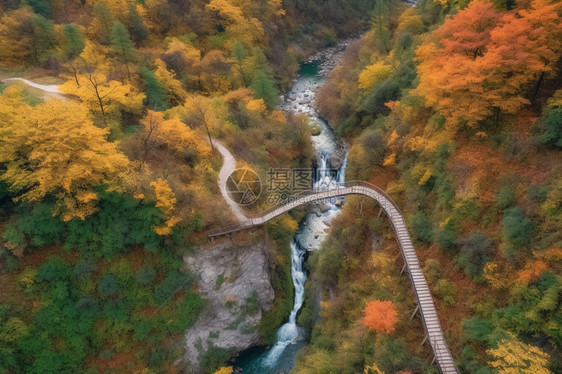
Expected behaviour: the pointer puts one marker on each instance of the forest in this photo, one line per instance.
(453, 107)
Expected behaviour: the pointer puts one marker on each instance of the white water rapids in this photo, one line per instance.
(312, 230)
(289, 333)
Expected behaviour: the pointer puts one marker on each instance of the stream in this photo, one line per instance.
(313, 228)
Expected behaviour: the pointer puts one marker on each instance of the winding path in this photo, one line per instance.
(228, 167)
(426, 307)
(51, 88)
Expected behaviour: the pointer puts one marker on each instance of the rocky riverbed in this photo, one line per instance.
(235, 280)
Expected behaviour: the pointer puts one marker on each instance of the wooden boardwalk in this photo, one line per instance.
(426, 307)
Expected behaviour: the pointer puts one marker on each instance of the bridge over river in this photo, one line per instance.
(426, 307)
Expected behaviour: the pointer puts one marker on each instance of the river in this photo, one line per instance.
(312, 229)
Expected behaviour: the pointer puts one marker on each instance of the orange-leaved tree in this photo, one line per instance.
(380, 316)
(480, 63)
(451, 79)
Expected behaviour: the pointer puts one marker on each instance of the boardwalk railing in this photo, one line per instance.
(430, 320)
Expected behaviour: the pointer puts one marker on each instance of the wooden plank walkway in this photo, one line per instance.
(426, 307)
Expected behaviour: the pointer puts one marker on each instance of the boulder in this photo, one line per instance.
(335, 161)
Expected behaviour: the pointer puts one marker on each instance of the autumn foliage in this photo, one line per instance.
(380, 316)
(54, 148)
(481, 63)
(515, 357)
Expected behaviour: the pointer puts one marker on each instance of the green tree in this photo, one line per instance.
(475, 252)
(74, 41)
(380, 18)
(552, 135)
(421, 226)
(105, 20)
(42, 7)
(240, 53)
(122, 44)
(156, 94)
(517, 229)
(44, 40)
(264, 89)
(137, 27)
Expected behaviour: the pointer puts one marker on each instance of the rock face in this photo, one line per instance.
(235, 282)
(335, 160)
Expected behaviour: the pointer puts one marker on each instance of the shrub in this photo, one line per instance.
(517, 228)
(145, 276)
(474, 253)
(421, 227)
(446, 237)
(552, 135)
(214, 358)
(447, 291)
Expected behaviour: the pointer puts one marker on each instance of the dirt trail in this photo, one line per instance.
(51, 90)
(228, 166)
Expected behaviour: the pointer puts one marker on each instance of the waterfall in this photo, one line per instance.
(290, 332)
(324, 178)
(312, 231)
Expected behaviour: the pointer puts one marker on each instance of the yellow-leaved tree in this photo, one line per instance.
(15, 44)
(166, 201)
(103, 96)
(55, 149)
(515, 357)
(372, 74)
(174, 134)
(245, 28)
(224, 370)
(171, 83)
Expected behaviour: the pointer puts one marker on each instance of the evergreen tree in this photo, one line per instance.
(240, 53)
(122, 44)
(137, 27)
(42, 7)
(156, 95)
(44, 41)
(74, 41)
(105, 19)
(264, 89)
